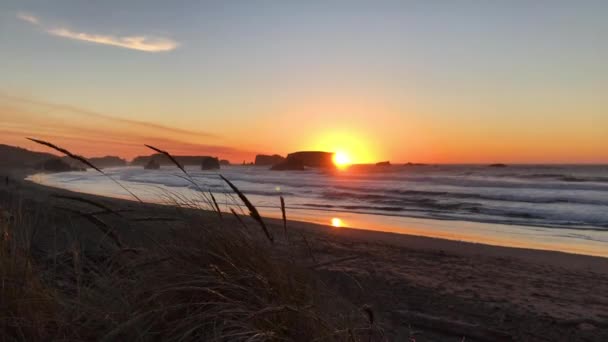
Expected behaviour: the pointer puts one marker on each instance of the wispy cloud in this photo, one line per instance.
(141, 43)
(28, 17)
(117, 121)
(135, 42)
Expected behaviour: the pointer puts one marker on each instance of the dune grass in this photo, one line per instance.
(211, 280)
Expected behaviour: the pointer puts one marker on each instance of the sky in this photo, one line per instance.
(418, 81)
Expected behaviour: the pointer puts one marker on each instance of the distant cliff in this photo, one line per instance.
(100, 162)
(303, 159)
(108, 161)
(16, 157)
(163, 160)
(268, 160)
(56, 164)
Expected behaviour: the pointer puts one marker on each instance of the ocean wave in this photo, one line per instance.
(575, 197)
(430, 196)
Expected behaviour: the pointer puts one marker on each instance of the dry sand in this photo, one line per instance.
(427, 289)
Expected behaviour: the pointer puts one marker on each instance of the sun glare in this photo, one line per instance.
(349, 147)
(336, 222)
(341, 159)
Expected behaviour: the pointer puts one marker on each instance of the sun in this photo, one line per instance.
(336, 222)
(341, 159)
(348, 145)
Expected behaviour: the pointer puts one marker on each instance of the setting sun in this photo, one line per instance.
(341, 159)
(349, 147)
(336, 222)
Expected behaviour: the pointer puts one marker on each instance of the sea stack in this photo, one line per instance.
(268, 160)
(210, 163)
(301, 160)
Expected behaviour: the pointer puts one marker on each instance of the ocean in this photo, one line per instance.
(558, 207)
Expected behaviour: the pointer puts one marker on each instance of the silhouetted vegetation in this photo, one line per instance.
(212, 280)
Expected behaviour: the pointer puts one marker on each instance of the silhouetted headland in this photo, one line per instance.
(57, 165)
(17, 157)
(301, 160)
(268, 160)
(163, 160)
(100, 162)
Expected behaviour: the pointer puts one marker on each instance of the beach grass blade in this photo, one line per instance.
(217, 207)
(168, 155)
(188, 177)
(253, 212)
(283, 212)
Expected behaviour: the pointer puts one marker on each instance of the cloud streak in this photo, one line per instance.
(91, 133)
(141, 43)
(116, 120)
(134, 42)
(28, 18)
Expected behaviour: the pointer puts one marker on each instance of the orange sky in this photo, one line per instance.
(348, 130)
(94, 134)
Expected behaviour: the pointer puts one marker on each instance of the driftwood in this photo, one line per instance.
(453, 327)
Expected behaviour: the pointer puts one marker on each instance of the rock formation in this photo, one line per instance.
(303, 159)
(16, 157)
(293, 165)
(163, 160)
(108, 161)
(210, 163)
(384, 163)
(268, 160)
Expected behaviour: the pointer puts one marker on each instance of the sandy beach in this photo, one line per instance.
(419, 288)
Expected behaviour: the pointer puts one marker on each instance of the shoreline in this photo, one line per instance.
(472, 232)
(411, 241)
